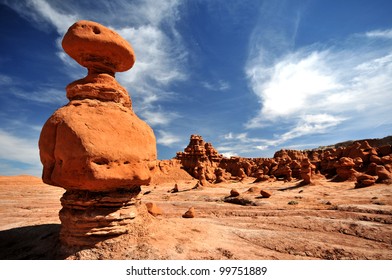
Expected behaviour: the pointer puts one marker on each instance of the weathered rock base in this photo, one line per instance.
(88, 218)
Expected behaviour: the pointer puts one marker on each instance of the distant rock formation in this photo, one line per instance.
(200, 159)
(346, 162)
(96, 147)
(306, 171)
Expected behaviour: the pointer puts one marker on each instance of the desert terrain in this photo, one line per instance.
(323, 220)
(115, 200)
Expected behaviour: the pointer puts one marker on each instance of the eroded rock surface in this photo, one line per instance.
(96, 147)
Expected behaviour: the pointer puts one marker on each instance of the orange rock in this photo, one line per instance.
(190, 213)
(265, 193)
(375, 159)
(97, 146)
(175, 189)
(219, 173)
(364, 180)
(234, 193)
(98, 86)
(383, 174)
(345, 169)
(98, 48)
(386, 159)
(306, 171)
(253, 190)
(153, 209)
(200, 160)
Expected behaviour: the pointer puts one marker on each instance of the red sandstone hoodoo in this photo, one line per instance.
(352, 162)
(96, 147)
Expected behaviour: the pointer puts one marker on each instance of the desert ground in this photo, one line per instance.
(324, 220)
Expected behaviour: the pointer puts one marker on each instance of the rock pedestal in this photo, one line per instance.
(96, 147)
(345, 169)
(200, 159)
(89, 217)
(306, 171)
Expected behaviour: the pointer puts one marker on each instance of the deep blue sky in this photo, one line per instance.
(251, 77)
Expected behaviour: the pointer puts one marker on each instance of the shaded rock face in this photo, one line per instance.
(96, 147)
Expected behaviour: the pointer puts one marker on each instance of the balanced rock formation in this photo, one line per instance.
(96, 147)
(306, 171)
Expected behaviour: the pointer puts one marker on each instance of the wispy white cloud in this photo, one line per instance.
(20, 88)
(159, 61)
(155, 118)
(148, 25)
(14, 148)
(229, 154)
(60, 20)
(42, 95)
(308, 125)
(293, 83)
(242, 144)
(220, 85)
(41, 13)
(316, 89)
(5, 80)
(380, 34)
(167, 139)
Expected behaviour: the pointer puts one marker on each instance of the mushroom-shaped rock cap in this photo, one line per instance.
(98, 48)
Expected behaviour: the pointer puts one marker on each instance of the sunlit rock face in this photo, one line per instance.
(96, 147)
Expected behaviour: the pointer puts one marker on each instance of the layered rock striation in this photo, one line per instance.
(96, 147)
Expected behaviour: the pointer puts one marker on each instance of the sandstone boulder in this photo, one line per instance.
(97, 146)
(345, 169)
(384, 176)
(190, 213)
(364, 180)
(265, 193)
(234, 193)
(153, 209)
